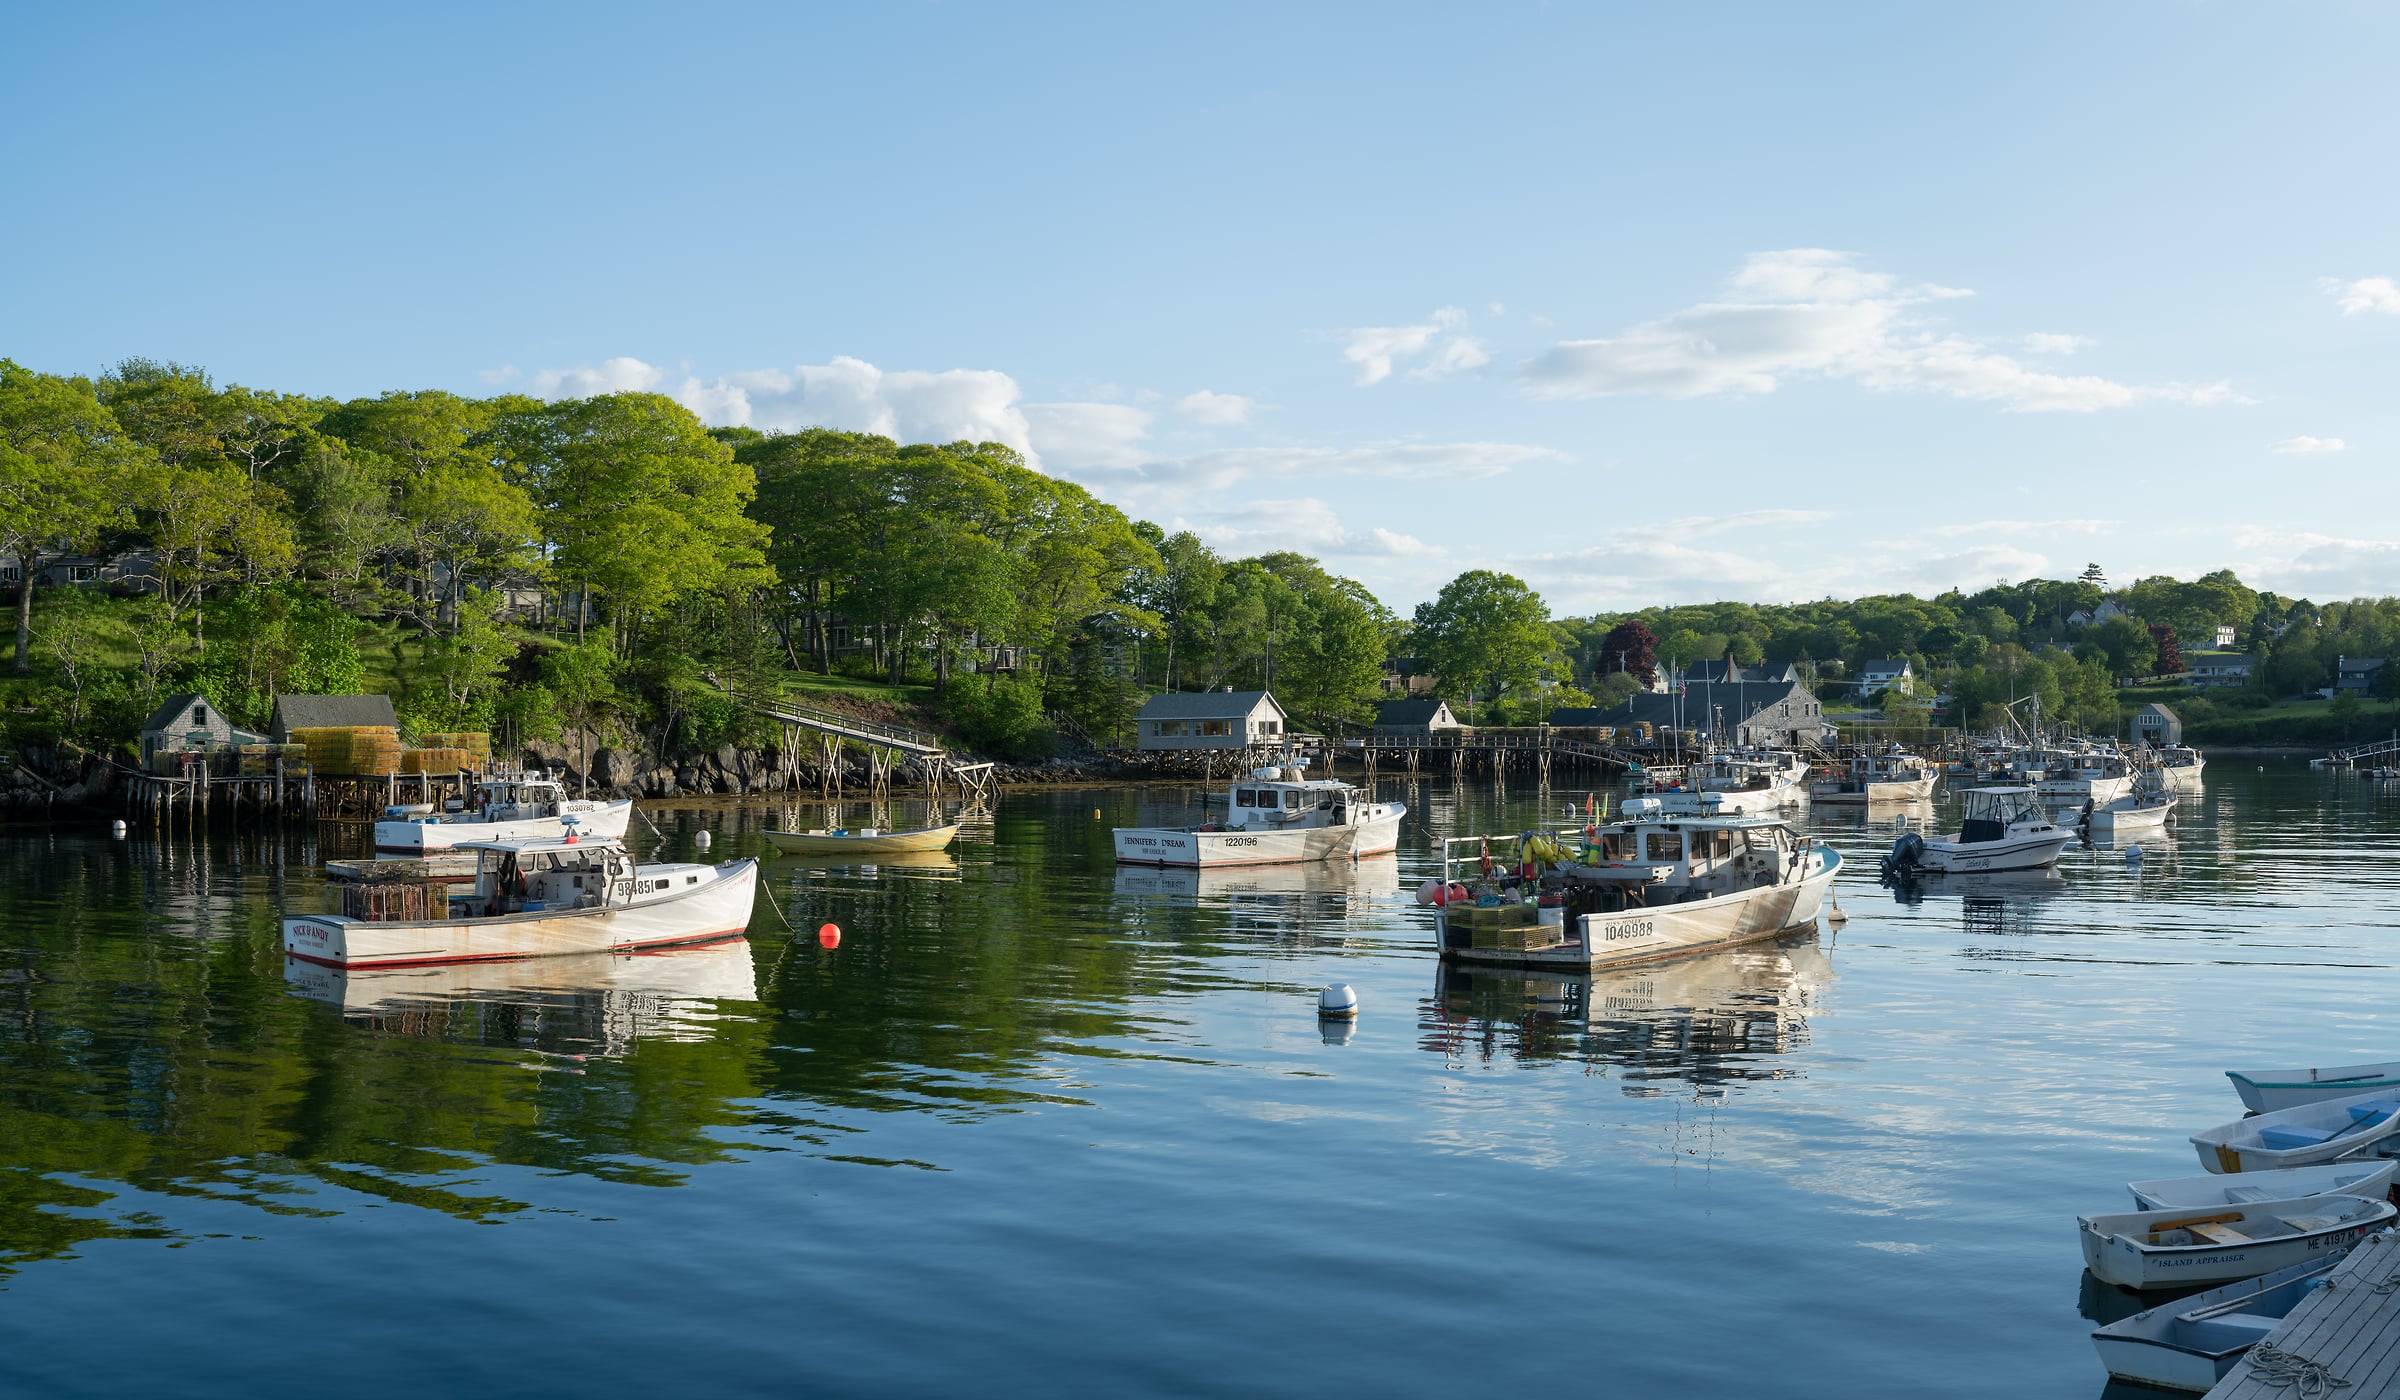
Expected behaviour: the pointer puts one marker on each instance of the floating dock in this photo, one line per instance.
(2344, 1338)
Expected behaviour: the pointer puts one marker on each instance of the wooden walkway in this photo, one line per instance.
(2343, 1339)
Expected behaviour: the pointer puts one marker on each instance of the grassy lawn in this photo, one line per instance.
(801, 684)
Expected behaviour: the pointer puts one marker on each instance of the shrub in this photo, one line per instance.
(1003, 718)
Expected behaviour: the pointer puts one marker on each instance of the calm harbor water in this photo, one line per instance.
(1041, 1124)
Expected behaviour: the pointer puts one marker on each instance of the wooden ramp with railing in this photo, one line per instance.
(886, 746)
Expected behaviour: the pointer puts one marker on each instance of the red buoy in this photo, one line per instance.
(830, 936)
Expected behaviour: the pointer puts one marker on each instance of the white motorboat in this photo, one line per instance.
(2004, 829)
(509, 807)
(2180, 765)
(1651, 886)
(531, 899)
(2369, 1177)
(2267, 1090)
(1276, 816)
(2300, 1136)
(2191, 1343)
(2177, 1248)
(2096, 776)
(1747, 781)
(2146, 807)
(1894, 776)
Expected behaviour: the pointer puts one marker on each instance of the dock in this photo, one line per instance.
(2344, 1338)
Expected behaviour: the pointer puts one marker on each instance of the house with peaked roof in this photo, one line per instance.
(1775, 714)
(1414, 717)
(190, 724)
(1208, 719)
(2156, 725)
(2218, 669)
(2356, 674)
(1886, 673)
(1764, 673)
(330, 712)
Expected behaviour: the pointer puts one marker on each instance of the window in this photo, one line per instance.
(200, 714)
(1292, 799)
(80, 573)
(1245, 797)
(1666, 845)
(1215, 728)
(8, 573)
(1270, 726)
(1170, 729)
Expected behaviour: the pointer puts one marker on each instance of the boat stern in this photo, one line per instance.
(1156, 846)
(323, 939)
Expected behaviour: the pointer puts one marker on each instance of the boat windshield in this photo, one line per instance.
(2000, 806)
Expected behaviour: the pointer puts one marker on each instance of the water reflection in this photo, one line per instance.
(605, 1000)
(1703, 1022)
(1273, 901)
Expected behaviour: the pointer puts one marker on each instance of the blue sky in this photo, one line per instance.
(1650, 304)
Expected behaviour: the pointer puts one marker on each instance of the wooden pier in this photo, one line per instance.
(1494, 751)
(197, 794)
(2343, 1339)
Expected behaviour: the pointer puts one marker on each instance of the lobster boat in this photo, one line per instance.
(507, 807)
(1648, 887)
(1896, 776)
(530, 899)
(1276, 816)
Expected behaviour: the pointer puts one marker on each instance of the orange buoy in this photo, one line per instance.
(830, 936)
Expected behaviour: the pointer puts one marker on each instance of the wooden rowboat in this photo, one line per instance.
(862, 844)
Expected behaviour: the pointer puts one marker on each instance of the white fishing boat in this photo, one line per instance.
(2180, 764)
(1650, 886)
(2191, 1343)
(530, 899)
(2302, 1135)
(2096, 776)
(2147, 807)
(2369, 1177)
(1893, 776)
(2268, 1090)
(2004, 829)
(2179, 1248)
(1276, 816)
(508, 807)
(1753, 780)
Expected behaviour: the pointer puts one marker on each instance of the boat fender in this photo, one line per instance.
(1430, 892)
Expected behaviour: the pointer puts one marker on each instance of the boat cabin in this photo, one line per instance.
(1646, 863)
(1279, 799)
(1991, 811)
(520, 796)
(525, 877)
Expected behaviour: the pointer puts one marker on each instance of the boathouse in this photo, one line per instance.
(330, 712)
(1394, 717)
(190, 724)
(2156, 725)
(1209, 719)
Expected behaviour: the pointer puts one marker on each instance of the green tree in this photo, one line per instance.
(64, 471)
(1484, 631)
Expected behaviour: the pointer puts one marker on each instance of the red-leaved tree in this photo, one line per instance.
(1630, 647)
(2170, 656)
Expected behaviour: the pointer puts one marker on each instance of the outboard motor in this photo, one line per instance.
(1901, 861)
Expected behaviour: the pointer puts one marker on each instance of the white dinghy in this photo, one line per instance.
(2370, 1177)
(2302, 1136)
(531, 899)
(1273, 817)
(2267, 1090)
(2005, 829)
(2191, 1343)
(2179, 1248)
(2147, 807)
(507, 807)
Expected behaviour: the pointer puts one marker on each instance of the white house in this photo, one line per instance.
(1886, 673)
(1209, 719)
(2224, 638)
(2110, 608)
(2214, 669)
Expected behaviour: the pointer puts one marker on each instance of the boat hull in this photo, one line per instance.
(717, 909)
(608, 819)
(1214, 849)
(2371, 1178)
(2242, 1145)
(2074, 792)
(2191, 1343)
(2009, 853)
(2115, 1258)
(811, 843)
(1850, 793)
(2144, 818)
(2273, 1090)
(1647, 935)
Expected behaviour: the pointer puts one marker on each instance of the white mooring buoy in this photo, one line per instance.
(1338, 1002)
(701, 840)
(2133, 855)
(118, 827)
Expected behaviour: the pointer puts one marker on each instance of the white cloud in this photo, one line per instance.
(979, 405)
(2305, 443)
(1374, 348)
(1215, 409)
(1305, 524)
(497, 376)
(1435, 461)
(620, 375)
(2322, 567)
(1810, 313)
(1978, 567)
(1088, 436)
(2023, 527)
(2045, 343)
(2366, 294)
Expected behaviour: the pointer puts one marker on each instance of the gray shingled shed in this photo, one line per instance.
(330, 712)
(1209, 719)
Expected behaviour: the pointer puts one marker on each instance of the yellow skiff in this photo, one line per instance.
(861, 844)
